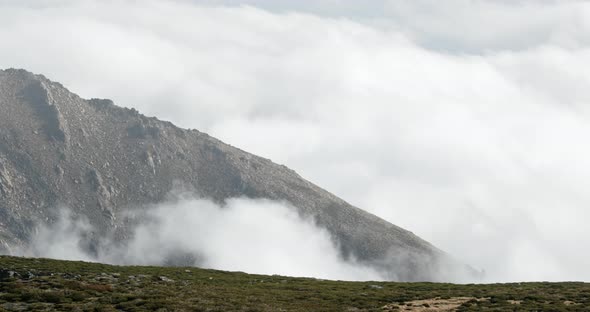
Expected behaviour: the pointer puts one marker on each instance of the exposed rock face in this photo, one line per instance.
(96, 158)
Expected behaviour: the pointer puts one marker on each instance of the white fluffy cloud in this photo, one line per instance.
(255, 236)
(462, 121)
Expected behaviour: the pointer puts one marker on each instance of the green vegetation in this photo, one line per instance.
(45, 285)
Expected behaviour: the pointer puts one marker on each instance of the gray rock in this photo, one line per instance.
(8, 274)
(5, 180)
(124, 159)
(165, 279)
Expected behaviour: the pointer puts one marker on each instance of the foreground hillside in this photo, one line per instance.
(46, 285)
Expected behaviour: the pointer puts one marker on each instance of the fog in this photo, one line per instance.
(464, 121)
(254, 236)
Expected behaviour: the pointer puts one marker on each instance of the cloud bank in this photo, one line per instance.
(464, 122)
(254, 236)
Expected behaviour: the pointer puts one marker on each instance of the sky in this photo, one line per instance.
(462, 121)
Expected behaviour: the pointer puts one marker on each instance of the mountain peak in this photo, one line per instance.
(57, 149)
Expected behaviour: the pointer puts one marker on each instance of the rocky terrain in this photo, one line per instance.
(59, 150)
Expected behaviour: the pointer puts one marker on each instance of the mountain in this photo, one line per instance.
(57, 149)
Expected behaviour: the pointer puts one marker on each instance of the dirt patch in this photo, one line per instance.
(430, 305)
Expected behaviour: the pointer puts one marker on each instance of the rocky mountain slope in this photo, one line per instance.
(57, 149)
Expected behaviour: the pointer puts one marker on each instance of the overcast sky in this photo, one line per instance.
(465, 122)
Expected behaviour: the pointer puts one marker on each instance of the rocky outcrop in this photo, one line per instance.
(38, 93)
(57, 149)
(6, 186)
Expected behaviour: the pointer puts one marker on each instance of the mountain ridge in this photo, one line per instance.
(59, 149)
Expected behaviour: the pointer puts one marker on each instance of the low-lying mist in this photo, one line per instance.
(254, 236)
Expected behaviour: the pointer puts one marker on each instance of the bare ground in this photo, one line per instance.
(430, 305)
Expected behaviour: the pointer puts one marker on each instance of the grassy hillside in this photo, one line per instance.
(45, 285)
